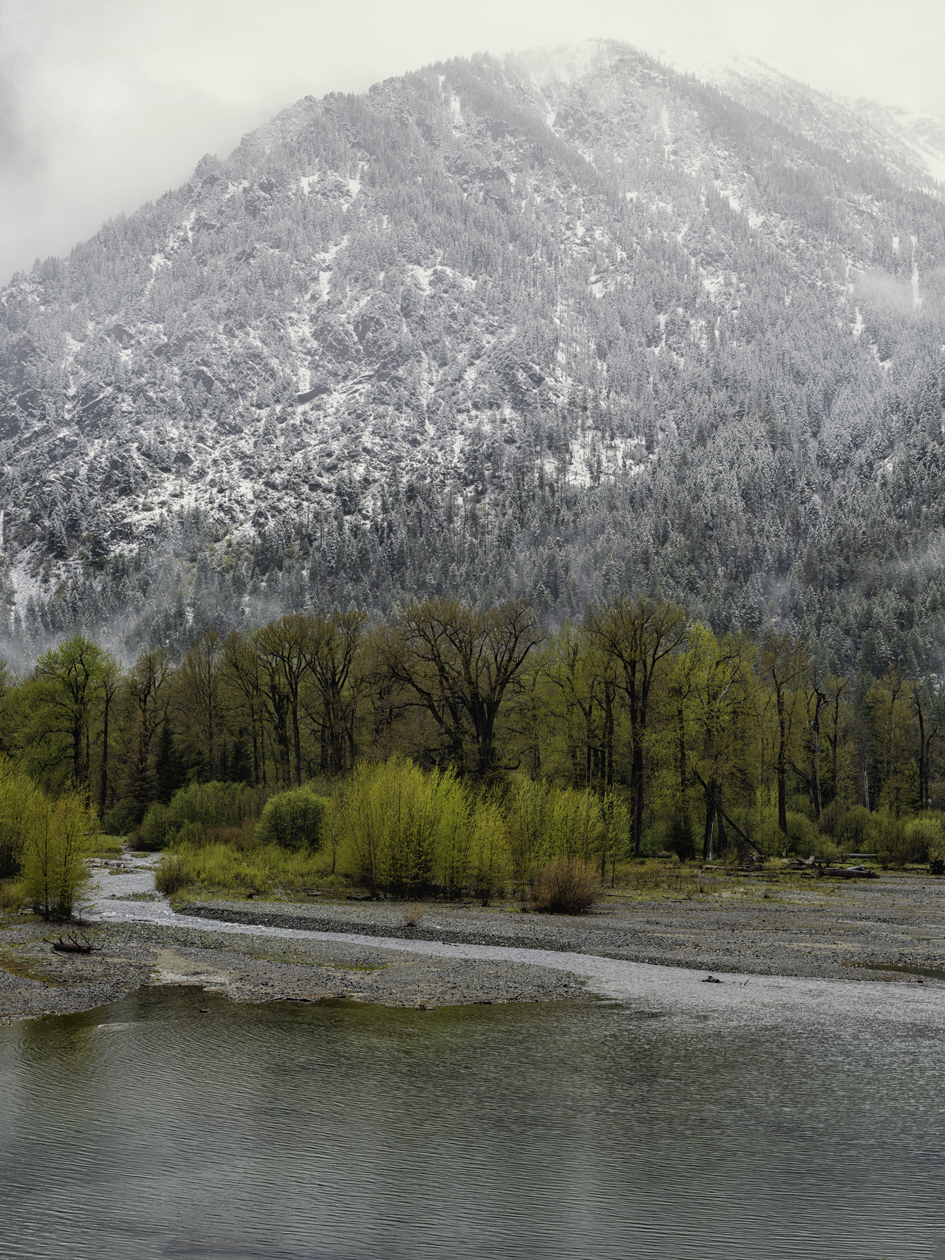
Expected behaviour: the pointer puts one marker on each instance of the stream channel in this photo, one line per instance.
(755, 1119)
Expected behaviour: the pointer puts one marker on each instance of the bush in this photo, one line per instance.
(391, 813)
(199, 813)
(853, 828)
(170, 874)
(545, 822)
(53, 864)
(156, 831)
(216, 804)
(802, 836)
(565, 886)
(831, 819)
(11, 897)
(487, 864)
(292, 820)
(123, 817)
(679, 838)
(926, 838)
(192, 834)
(19, 796)
(886, 837)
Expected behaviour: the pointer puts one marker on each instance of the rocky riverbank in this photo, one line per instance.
(864, 931)
(818, 930)
(36, 980)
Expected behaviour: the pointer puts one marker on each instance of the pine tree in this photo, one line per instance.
(138, 782)
(168, 767)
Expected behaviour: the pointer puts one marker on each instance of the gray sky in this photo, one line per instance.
(105, 104)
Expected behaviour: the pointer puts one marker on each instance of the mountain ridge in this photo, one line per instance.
(466, 289)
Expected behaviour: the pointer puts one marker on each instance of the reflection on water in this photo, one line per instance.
(149, 1129)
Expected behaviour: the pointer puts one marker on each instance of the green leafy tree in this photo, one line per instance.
(53, 857)
(64, 710)
(636, 636)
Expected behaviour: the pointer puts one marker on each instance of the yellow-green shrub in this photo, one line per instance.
(393, 815)
(18, 797)
(544, 822)
(487, 859)
(292, 819)
(53, 857)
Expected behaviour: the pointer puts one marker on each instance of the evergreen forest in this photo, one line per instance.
(495, 330)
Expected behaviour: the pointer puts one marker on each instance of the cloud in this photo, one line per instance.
(107, 103)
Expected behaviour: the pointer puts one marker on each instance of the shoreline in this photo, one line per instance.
(831, 934)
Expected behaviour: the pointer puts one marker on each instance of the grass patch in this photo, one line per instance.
(27, 969)
(197, 870)
(105, 847)
(655, 877)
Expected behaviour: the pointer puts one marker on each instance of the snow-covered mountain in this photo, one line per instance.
(545, 325)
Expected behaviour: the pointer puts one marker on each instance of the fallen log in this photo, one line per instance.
(74, 946)
(848, 872)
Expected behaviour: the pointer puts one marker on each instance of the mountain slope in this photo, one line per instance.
(547, 325)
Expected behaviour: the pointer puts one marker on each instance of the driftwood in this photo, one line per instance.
(825, 868)
(74, 946)
(805, 866)
(849, 872)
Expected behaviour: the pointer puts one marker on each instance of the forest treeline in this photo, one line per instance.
(687, 739)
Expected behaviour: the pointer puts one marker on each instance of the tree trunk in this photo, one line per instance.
(782, 766)
(708, 837)
(636, 787)
(816, 796)
(103, 781)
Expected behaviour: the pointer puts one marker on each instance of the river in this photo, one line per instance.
(750, 1120)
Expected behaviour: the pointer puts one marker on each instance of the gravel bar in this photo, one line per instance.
(36, 980)
(890, 929)
(842, 932)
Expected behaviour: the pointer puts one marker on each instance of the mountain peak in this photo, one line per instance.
(540, 326)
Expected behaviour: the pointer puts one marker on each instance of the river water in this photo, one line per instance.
(664, 1117)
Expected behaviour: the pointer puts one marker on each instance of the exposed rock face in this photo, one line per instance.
(535, 297)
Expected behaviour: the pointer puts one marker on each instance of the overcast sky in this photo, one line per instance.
(105, 104)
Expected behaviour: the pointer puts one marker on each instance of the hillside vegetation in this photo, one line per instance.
(495, 330)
